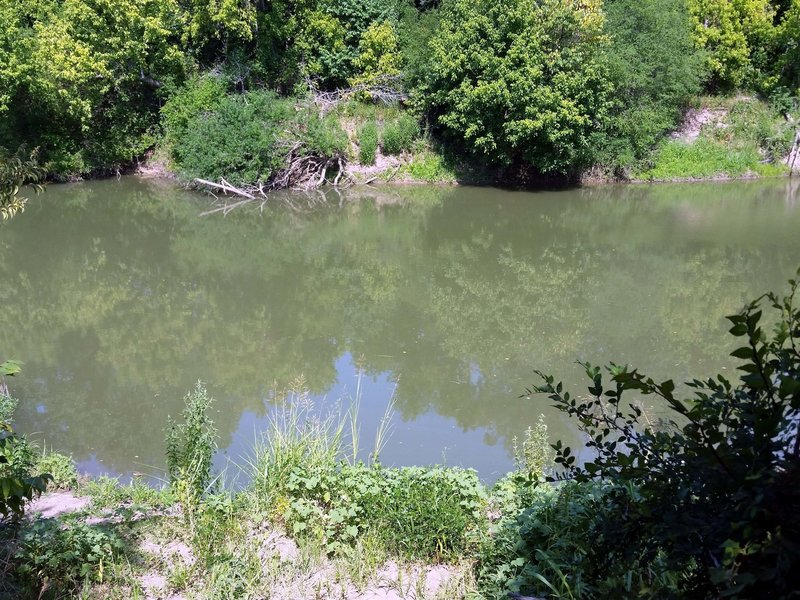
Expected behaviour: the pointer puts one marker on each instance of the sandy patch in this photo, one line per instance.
(56, 504)
(695, 120)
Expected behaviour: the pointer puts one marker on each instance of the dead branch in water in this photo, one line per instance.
(225, 187)
(303, 171)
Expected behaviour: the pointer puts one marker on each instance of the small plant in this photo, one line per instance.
(17, 457)
(368, 143)
(60, 467)
(399, 135)
(58, 558)
(535, 457)
(190, 447)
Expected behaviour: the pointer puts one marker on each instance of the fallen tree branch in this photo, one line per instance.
(226, 187)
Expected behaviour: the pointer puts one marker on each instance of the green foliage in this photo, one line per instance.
(788, 39)
(322, 44)
(400, 135)
(655, 70)
(430, 167)
(300, 477)
(17, 457)
(83, 79)
(239, 140)
(55, 558)
(414, 512)
(247, 138)
(747, 137)
(190, 447)
(534, 457)
(710, 501)
(16, 171)
(520, 80)
(368, 143)
(379, 56)
(706, 158)
(731, 30)
(61, 468)
(198, 95)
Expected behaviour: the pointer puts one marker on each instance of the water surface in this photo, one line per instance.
(118, 296)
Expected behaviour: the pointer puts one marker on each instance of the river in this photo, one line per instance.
(117, 296)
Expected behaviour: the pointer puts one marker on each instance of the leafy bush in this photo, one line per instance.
(199, 95)
(247, 138)
(709, 502)
(61, 468)
(56, 558)
(239, 140)
(368, 143)
(190, 447)
(415, 512)
(399, 135)
(520, 81)
(319, 135)
(655, 69)
(83, 80)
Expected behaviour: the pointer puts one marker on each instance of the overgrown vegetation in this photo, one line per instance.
(740, 137)
(529, 88)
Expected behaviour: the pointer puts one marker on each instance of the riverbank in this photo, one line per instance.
(719, 139)
(310, 524)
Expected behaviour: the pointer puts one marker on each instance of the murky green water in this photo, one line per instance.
(118, 296)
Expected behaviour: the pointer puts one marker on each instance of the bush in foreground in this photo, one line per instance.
(703, 506)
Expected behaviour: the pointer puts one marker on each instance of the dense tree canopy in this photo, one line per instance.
(521, 80)
(553, 85)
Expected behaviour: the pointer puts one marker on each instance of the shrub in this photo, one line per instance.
(655, 69)
(199, 95)
(241, 139)
(61, 469)
(56, 557)
(711, 500)
(320, 135)
(399, 135)
(190, 447)
(368, 143)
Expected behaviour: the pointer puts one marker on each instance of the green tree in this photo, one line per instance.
(520, 80)
(737, 35)
(379, 54)
(655, 68)
(84, 78)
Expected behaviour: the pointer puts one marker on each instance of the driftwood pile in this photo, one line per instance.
(302, 172)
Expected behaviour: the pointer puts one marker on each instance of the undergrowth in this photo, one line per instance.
(748, 138)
